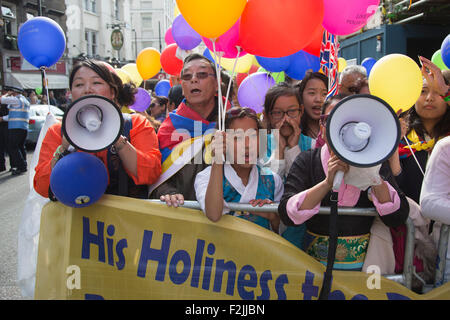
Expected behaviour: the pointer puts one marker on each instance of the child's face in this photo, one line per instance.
(313, 97)
(245, 142)
(285, 113)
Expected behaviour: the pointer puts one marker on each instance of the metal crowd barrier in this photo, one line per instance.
(408, 270)
(442, 255)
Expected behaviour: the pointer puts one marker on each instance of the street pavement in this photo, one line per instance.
(13, 192)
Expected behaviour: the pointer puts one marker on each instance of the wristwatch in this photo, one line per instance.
(121, 142)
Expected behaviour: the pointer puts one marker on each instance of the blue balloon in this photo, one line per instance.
(445, 51)
(300, 63)
(41, 41)
(208, 55)
(274, 64)
(368, 63)
(162, 88)
(79, 179)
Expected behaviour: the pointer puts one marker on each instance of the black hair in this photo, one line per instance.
(197, 56)
(239, 113)
(175, 95)
(124, 93)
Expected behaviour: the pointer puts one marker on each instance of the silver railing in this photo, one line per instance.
(408, 269)
(442, 255)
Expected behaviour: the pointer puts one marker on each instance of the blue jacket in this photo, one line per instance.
(19, 112)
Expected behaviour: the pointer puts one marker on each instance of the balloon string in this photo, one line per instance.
(233, 72)
(46, 88)
(219, 81)
(414, 156)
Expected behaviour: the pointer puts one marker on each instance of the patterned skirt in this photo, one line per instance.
(350, 251)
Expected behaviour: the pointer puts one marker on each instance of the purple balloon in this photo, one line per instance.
(183, 34)
(253, 89)
(142, 100)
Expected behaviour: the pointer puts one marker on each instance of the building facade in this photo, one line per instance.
(150, 20)
(14, 68)
(116, 31)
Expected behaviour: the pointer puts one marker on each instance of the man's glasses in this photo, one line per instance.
(200, 75)
(278, 114)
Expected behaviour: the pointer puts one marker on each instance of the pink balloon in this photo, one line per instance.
(342, 17)
(168, 38)
(227, 43)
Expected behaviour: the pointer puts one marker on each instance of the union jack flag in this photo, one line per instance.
(329, 61)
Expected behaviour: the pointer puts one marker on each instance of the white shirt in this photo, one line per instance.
(247, 192)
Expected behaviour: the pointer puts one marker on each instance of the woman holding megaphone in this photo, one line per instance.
(135, 152)
(309, 186)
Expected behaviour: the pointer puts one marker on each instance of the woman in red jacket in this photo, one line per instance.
(139, 154)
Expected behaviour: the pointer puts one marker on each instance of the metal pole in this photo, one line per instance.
(408, 267)
(160, 44)
(442, 255)
(42, 69)
(273, 207)
(417, 16)
(39, 5)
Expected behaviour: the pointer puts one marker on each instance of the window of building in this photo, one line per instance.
(146, 21)
(117, 9)
(8, 13)
(148, 44)
(90, 37)
(146, 4)
(90, 5)
(9, 20)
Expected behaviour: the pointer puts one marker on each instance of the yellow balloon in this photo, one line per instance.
(148, 63)
(211, 18)
(176, 11)
(342, 63)
(123, 75)
(255, 62)
(132, 70)
(243, 65)
(396, 79)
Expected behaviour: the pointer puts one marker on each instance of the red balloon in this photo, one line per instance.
(316, 42)
(275, 29)
(169, 61)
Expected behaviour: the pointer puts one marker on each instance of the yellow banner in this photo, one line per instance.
(123, 248)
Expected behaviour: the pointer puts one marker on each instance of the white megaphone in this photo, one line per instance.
(92, 123)
(363, 131)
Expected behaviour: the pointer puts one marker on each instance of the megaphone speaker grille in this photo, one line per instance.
(92, 123)
(363, 130)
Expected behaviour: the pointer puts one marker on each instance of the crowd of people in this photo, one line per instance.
(296, 169)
